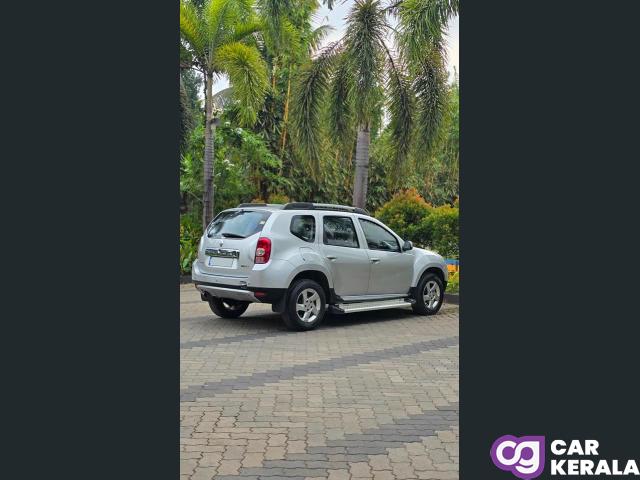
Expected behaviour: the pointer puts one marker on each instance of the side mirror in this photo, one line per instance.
(407, 246)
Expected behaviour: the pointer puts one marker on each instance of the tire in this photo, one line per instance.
(227, 308)
(313, 305)
(430, 303)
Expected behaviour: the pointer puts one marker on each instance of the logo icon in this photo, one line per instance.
(522, 456)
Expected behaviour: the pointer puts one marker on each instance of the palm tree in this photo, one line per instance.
(359, 69)
(217, 39)
(288, 41)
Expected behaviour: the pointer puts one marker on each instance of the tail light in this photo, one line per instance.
(263, 250)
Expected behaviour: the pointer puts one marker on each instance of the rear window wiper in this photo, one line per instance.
(232, 235)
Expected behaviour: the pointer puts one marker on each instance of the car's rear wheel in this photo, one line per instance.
(429, 294)
(227, 308)
(305, 306)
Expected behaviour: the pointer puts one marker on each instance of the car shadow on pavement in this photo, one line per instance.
(273, 322)
(374, 316)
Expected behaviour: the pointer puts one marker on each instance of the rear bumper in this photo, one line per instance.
(237, 288)
(198, 276)
(224, 291)
(244, 294)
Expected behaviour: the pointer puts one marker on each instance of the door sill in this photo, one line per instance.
(371, 298)
(371, 305)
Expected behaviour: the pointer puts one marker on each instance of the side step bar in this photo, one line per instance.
(367, 306)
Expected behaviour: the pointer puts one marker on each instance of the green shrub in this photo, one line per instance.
(404, 214)
(190, 233)
(453, 285)
(440, 231)
(411, 217)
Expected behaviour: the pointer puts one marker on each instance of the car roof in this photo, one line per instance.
(296, 211)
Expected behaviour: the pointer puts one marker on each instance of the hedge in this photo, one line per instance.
(411, 217)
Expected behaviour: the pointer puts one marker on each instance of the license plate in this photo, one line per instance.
(221, 262)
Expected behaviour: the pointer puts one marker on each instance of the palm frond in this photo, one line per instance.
(401, 106)
(244, 30)
(364, 43)
(274, 9)
(312, 83)
(430, 86)
(317, 36)
(422, 22)
(247, 74)
(341, 125)
(191, 28)
(283, 38)
(219, 16)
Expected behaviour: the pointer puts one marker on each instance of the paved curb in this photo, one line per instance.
(452, 298)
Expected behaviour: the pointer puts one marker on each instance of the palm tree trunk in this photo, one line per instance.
(361, 178)
(207, 201)
(273, 74)
(286, 114)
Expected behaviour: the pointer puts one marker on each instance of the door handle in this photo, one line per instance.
(331, 257)
(375, 260)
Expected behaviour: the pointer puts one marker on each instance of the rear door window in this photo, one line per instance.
(304, 227)
(237, 224)
(339, 231)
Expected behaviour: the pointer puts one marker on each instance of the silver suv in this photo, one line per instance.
(307, 258)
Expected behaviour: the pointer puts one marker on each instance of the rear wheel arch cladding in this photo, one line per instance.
(318, 276)
(310, 266)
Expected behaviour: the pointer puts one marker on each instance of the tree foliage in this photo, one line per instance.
(366, 80)
(287, 131)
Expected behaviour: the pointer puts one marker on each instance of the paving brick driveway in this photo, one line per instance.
(367, 395)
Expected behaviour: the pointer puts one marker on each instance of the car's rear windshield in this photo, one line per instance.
(237, 224)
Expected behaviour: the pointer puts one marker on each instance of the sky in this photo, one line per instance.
(336, 19)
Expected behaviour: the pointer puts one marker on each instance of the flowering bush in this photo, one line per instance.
(411, 217)
(404, 213)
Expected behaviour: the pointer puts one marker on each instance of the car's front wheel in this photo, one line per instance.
(306, 305)
(429, 295)
(227, 308)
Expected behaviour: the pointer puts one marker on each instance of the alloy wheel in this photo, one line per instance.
(431, 294)
(308, 305)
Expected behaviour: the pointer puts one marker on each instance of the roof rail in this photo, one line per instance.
(324, 206)
(269, 205)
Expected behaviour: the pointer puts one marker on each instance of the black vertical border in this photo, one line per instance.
(549, 237)
(90, 186)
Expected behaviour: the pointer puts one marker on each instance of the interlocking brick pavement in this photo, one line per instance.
(369, 395)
